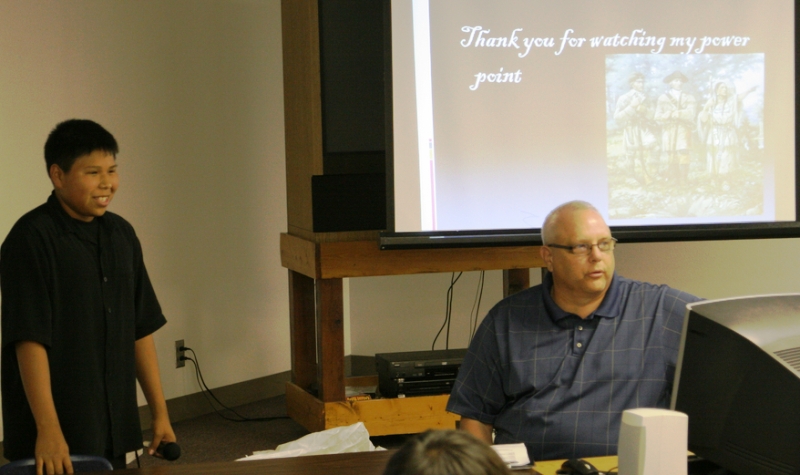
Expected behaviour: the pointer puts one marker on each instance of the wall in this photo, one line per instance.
(717, 269)
(192, 90)
(404, 312)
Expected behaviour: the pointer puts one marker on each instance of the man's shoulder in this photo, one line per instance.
(525, 302)
(626, 284)
(627, 287)
(525, 296)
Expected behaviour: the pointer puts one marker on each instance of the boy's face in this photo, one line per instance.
(87, 189)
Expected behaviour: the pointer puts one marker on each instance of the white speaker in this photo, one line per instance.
(653, 442)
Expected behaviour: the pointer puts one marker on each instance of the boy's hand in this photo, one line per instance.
(150, 381)
(162, 432)
(52, 453)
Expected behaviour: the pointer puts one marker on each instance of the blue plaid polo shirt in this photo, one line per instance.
(559, 383)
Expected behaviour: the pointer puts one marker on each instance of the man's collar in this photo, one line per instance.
(609, 307)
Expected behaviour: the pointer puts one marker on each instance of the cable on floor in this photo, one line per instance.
(205, 389)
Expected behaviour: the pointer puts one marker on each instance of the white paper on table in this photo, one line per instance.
(514, 455)
(352, 438)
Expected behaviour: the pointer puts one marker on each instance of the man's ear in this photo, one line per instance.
(547, 256)
(56, 175)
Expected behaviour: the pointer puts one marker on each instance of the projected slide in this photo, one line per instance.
(675, 112)
(680, 148)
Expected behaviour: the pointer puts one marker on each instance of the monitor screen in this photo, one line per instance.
(676, 119)
(738, 380)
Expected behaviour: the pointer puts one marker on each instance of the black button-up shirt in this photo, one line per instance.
(83, 292)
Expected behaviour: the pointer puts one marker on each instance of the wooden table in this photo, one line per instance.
(315, 398)
(359, 463)
(603, 464)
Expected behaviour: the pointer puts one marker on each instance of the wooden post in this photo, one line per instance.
(515, 280)
(302, 103)
(302, 328)
(330, 339)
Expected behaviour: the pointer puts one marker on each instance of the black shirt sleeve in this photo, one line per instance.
(26, 299)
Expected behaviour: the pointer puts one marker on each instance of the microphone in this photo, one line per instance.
(169, 450)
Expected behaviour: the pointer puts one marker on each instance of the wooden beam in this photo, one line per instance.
(380, 416)
(330, 339)
(304, 408)
(302, 315)
(299, 255)
(365, 258)
(302, 105)
(336, 260)
(515, 280)
(393, 415)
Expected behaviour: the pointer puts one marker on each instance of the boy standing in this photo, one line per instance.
(78, 314)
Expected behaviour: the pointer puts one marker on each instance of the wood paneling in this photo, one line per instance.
(330, 339)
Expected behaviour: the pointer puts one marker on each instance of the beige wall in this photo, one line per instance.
(192, 89)
(404, 312)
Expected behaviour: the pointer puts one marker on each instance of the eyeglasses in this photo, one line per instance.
(606, 245)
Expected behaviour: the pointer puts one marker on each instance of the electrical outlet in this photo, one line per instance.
(179, 353)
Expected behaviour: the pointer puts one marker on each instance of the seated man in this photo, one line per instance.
(555, 365)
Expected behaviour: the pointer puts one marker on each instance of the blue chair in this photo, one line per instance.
(80, 463)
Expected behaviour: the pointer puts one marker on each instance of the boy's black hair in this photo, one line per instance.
(75, 138)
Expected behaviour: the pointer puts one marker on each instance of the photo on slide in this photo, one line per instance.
(685, 135)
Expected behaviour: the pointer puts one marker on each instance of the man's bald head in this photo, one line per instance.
(550, 225)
